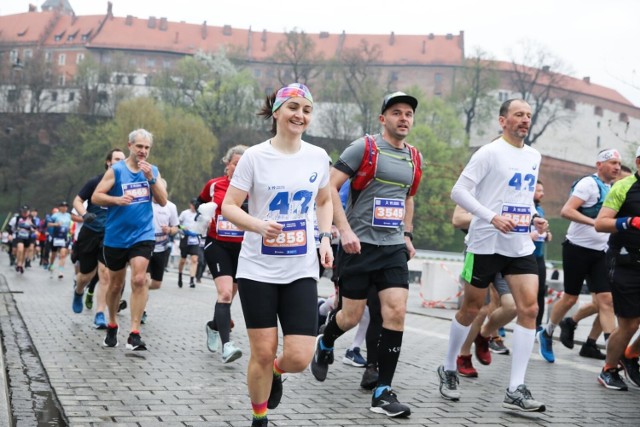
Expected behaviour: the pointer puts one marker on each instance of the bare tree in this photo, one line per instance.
(473, 90)
(539, 78)
(297, 57)
(361, 80)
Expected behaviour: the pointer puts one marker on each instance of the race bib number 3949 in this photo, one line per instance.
(291, 242)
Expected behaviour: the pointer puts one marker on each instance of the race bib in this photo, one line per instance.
(193, 240)
(59, 242)
(387, 212)
(161, 239)
(291, 242)
(225, 228)
(138, 190)
(520, 214)
(23, 234)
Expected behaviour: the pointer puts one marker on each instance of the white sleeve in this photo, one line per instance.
(462, 194)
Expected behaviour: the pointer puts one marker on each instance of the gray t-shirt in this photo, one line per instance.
(375, 214)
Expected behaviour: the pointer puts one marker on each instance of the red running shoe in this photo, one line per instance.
(465, 367)
(482, 349)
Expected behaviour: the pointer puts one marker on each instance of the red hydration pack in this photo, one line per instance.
(368, 166)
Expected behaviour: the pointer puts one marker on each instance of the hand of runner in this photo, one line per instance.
(503, 223)
(350, 242)
(270, 229)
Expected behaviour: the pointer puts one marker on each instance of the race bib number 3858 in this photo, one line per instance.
(291, 242)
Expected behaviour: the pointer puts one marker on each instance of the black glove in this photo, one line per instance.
(88, 217)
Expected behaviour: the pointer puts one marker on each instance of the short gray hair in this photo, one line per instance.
(141, 132)
(238, 149)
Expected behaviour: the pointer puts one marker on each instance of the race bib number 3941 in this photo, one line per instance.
(291, 242)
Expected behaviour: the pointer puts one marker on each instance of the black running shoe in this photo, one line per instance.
(567, 329)
(631, 369)
(122, 305)
(262, 422)
(387, 404)
(135, 343)
(369, 377)
(321, 361)
(611, 379)
(276, 392)
(111, 340)
(592, 351)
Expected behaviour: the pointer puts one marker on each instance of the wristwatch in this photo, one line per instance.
(324, 234)
(152, 181)
(409, 235)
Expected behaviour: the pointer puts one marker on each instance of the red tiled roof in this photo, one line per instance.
(573, 84)
(25, 27)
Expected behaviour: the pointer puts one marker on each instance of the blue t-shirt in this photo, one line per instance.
(64, 219)
(131, 224)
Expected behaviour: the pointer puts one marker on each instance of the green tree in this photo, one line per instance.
(439, 135)
(298, 59)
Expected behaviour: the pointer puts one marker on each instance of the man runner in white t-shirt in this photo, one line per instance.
(497, 188)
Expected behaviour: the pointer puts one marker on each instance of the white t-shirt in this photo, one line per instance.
(163, 215)
(281, 187)
(505, 180)
(187, 218)
(582, 234)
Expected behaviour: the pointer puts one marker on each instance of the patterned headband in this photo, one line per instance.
(287, 92)
(608, 155)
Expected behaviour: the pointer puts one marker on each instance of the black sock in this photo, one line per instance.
(332, 332)
(606, 336)
(222, 317)
(591, 342)
(388, 355)
(93, 283)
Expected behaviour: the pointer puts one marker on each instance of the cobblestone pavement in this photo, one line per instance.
(178, 382)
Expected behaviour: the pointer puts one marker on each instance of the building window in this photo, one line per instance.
(61, 80)
(598, 142)
(58, 37)
(54, 96)
(13, 56)
(79, 58)
(148, 79)
(72, 96)
(48, 56)
(151, 62)
(166, 63)
(103, 97)
(70, 37)
(624, 118)
(12, 95)
(503, 96)
(597, 111)
(62, 59)
(28, 54)
(437, 90)
(131, 79)
(570, 104)
(119, 79)
(598, 124)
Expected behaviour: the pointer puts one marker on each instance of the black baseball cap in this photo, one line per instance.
(194, 201)
(24, 208)
(398, 97)
(63, 203)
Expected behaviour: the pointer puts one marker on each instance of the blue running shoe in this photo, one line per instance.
(546, 346)
(100, 322)
(77, 302)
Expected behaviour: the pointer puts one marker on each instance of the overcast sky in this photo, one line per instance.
(595, 38)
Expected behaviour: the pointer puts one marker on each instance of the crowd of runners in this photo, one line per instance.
(282, 213)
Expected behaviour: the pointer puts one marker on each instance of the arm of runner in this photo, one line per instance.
(101, 197)
(408, 225)
(349, 240)
(159, 191)
(570, 211)
(232, 210)
(606, 220)
(461, 219)
(324, 213)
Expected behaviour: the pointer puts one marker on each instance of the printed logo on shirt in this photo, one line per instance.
(314, 176)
